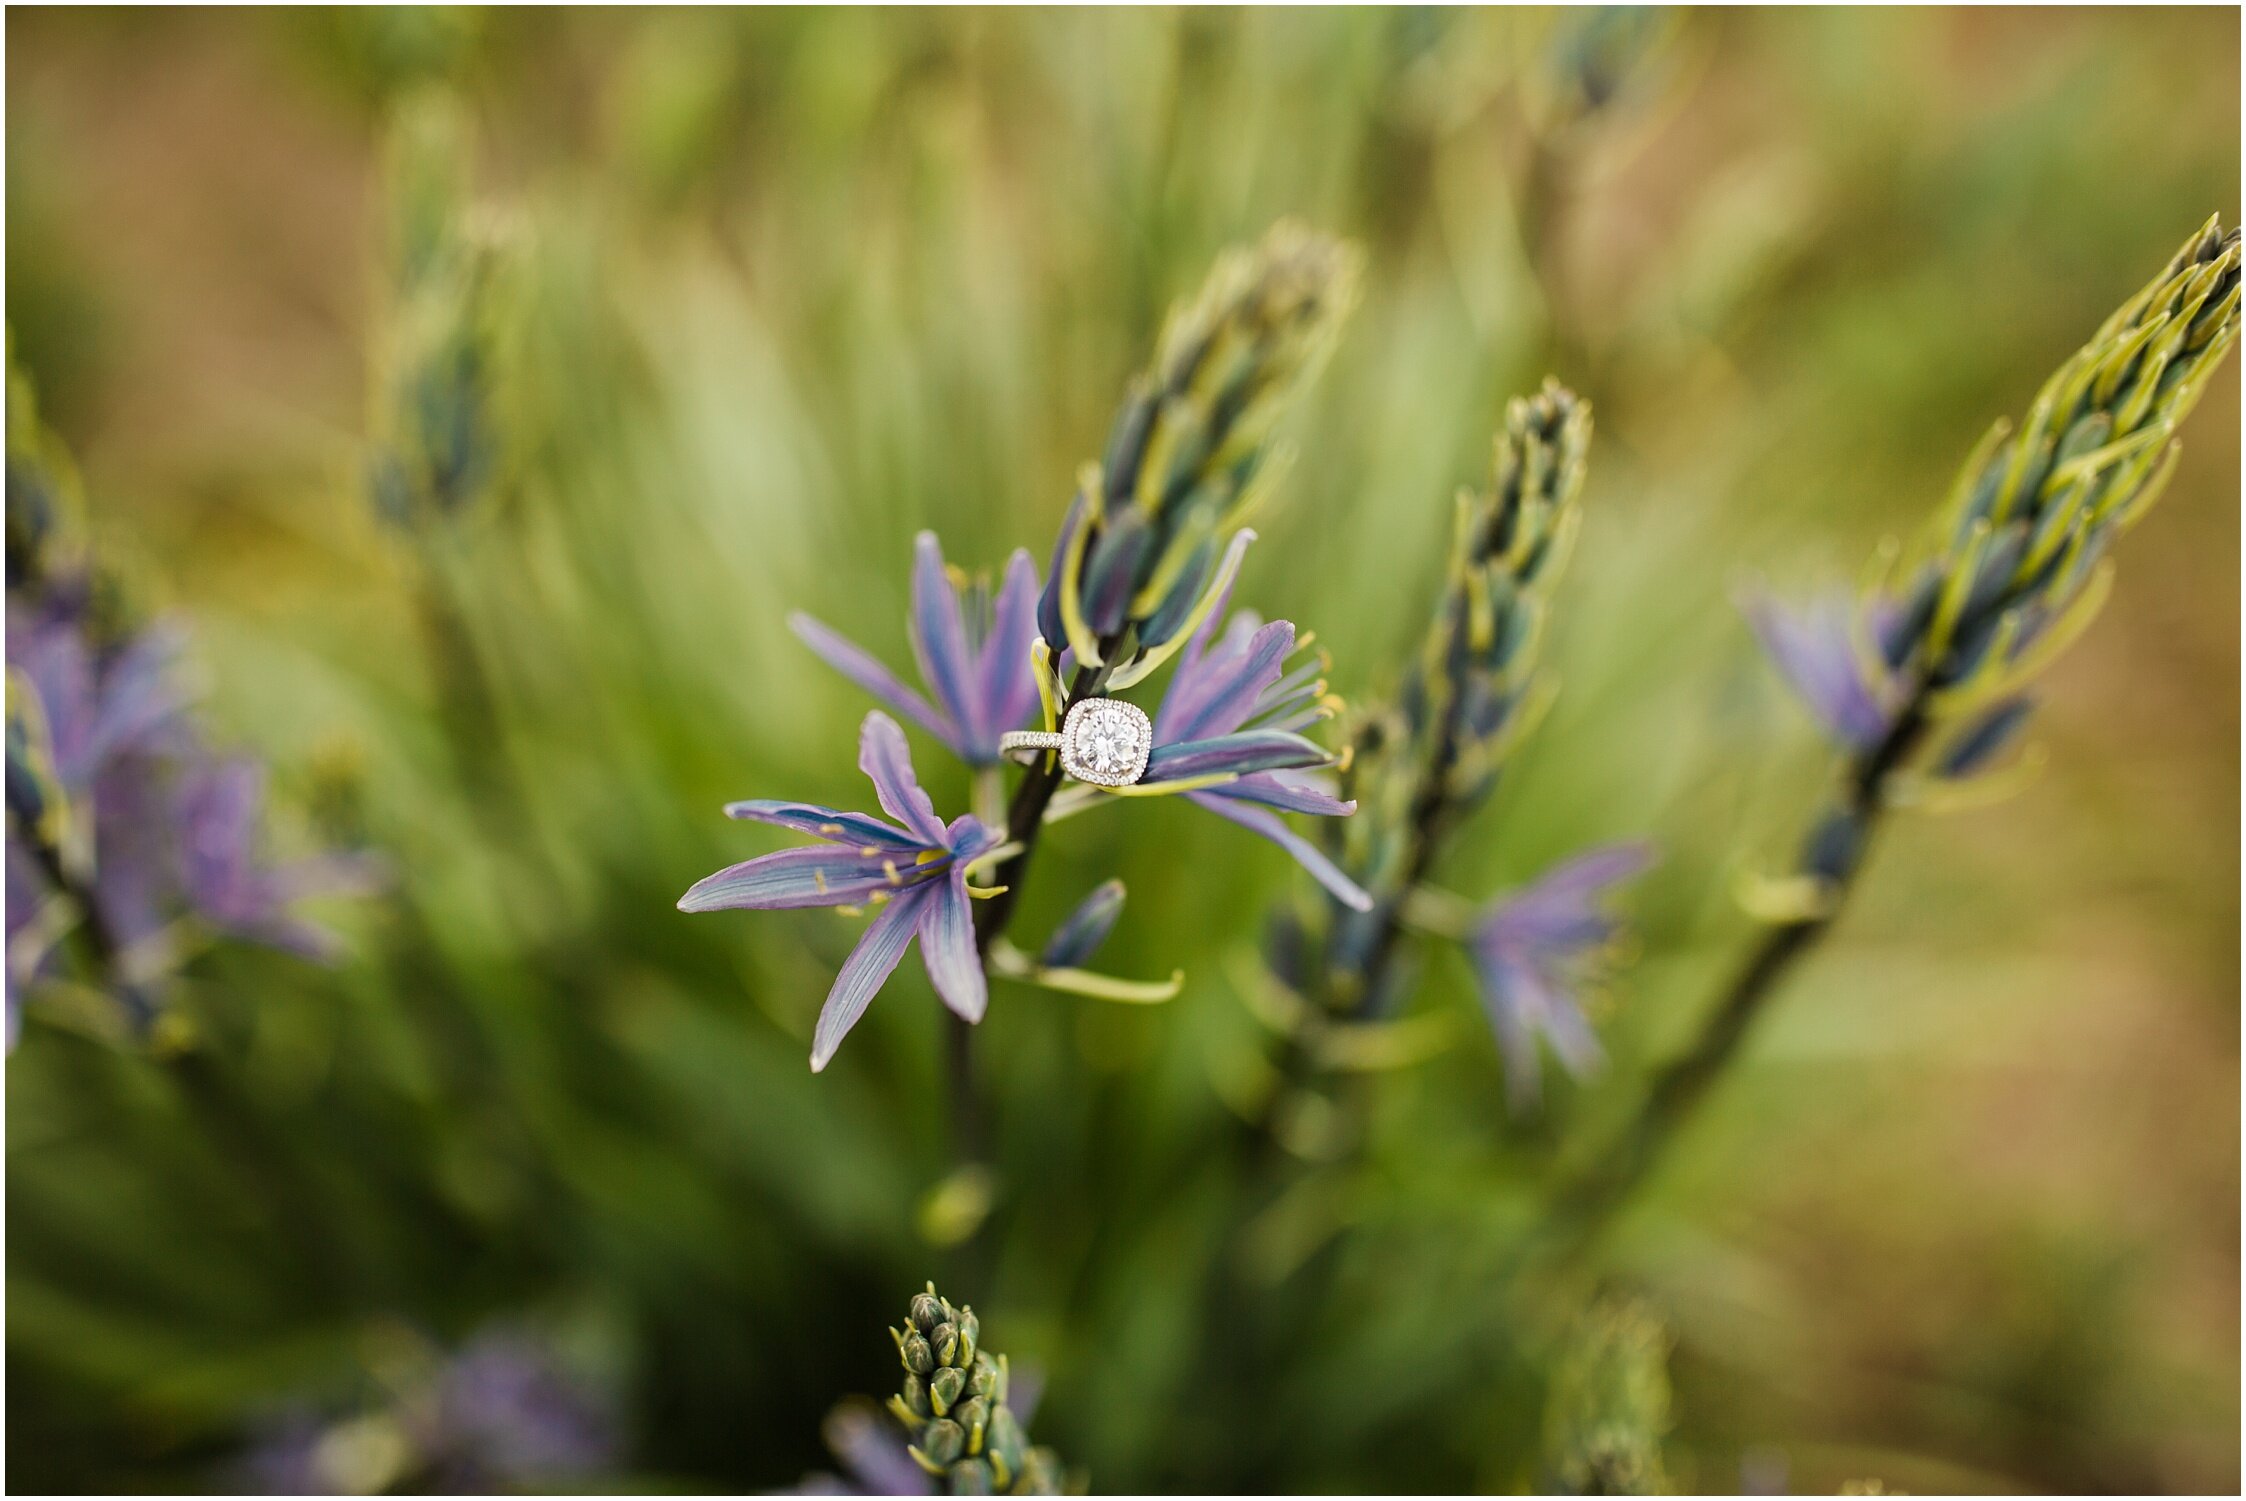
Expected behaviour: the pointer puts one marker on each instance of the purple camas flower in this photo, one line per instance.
(1830, 652)
(507, 1415)
(98, 708)
(1530, 951)
(973, 654)
(914, 871)
(221, 815)
(1235, 709)
(501, 1416)
(872, 1451)
(113, 801)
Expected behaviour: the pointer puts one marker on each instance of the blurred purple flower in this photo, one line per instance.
(975, 662)
(220, 807)
(916, 875)
(1529, 951)
(283, 1457)
(507, 1416)
(119, 795)
(99, 707)
(873, 1451)
(1827, 651)
(502, 1415)
(1236, 708)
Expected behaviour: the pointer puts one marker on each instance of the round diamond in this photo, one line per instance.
(1106, 742)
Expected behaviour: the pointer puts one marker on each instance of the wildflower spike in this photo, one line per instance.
(958, 1428)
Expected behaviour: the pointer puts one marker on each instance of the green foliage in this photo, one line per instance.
(1609, 1407)
(738, 302)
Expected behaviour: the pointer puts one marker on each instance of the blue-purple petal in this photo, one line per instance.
(1816, 650)
(816, 875)
(1529, 950)
(1111, 571)
(939, 633)
(830, 824)
(968, 836)
(1557, 915)
(1176, 607)
(1502, 982)
(862, 668)
(1264, 822)
(947, 947)
(1219, 693)
(55, 660)
(1007, 692)
(1239, 754)
(218, 807)
(887, 763)
(1049, 599)
(1080, 935)
(1290, 792)
(871, 1446)
(862, 974)
(142, 700)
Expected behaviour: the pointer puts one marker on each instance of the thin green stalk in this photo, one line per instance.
(1589, 1203)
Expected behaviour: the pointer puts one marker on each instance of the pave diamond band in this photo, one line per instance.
(1104, 741)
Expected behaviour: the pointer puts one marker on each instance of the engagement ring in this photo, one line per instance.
(1104, 741)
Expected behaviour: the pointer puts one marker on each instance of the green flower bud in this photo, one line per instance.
(1004, 1442)
(974, 1416)
(943, 1441)
(952, 1405)
(970, 1331)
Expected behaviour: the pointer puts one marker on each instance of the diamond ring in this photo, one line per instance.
(1104, 741)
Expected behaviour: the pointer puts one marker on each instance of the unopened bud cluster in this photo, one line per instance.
(953, 1406)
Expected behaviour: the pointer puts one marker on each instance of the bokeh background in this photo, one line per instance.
(771, 291)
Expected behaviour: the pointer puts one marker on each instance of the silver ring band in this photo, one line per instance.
(1013, 742)
(1103, 741)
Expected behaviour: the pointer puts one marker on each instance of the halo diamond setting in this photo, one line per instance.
(1104, 741)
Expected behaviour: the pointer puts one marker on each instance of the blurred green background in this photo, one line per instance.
(778, 289)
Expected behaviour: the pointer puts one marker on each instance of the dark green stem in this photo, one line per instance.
(1025, 818)
(468, 706)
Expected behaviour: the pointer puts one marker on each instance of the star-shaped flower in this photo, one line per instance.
(913, 870)
(1530, 950)
(975, 663)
